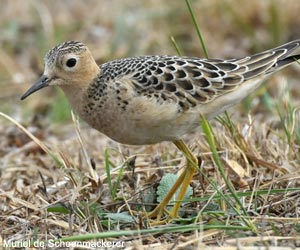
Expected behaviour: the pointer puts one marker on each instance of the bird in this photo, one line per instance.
(149, 99)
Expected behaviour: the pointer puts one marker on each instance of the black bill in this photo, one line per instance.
(42, 82)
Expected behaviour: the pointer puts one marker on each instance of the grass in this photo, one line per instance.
(239, 209)
(83, 186)
(113, 187)
(197, 27)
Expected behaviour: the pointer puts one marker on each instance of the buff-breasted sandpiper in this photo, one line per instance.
(150, 99)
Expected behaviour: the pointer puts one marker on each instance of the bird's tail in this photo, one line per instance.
(269, 61)
(290, 53)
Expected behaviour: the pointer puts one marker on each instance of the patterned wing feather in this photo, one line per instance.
(191, 81)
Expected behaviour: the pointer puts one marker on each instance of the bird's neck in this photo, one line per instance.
(75, 96)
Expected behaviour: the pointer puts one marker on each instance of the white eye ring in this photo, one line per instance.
(70, 62)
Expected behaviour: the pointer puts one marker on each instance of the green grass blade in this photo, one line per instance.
(119, 178)
(176, 46)
(244, 194)
(107, 169)
(211, 141)
(153, 231)
(197, 27)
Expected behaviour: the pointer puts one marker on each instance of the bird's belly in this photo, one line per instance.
(143, 125)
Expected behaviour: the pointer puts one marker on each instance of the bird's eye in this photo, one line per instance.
(71, 62)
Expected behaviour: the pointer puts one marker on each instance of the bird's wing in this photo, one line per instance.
(193, 81)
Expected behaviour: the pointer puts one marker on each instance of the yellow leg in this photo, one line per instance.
(183, 181)
(161, 207)
(189, 172)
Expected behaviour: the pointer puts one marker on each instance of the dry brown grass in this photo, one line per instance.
(258, 156)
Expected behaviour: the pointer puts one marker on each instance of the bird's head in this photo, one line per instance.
(67, 64)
